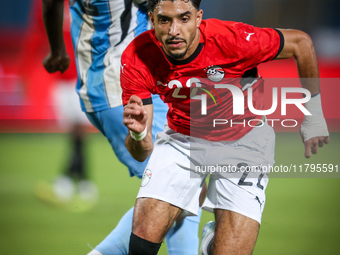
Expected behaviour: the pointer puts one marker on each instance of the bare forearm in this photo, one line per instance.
(138, 120)
(307, 66)
(53, 20)
(139, 150)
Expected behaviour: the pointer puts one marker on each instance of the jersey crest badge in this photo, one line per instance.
(146, 177)
(215, 73)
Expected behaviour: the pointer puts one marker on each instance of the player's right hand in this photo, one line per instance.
(135, 115)
(54, 64)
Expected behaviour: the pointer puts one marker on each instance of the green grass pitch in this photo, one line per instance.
(302, 215)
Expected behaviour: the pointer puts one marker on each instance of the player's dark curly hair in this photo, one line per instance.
(153, 3)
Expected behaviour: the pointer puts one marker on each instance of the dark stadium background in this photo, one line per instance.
(301, 215)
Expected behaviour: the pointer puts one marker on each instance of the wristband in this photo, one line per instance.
(139, 136)
(314, 105)
(314, 125)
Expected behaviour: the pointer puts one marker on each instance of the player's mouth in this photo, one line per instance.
(175, 43)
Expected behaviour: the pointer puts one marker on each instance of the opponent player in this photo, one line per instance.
(189, 62)
(101, 30)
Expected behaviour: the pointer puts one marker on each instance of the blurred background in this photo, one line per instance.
(301, 215)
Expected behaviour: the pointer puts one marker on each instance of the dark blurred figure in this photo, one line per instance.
(72, 188)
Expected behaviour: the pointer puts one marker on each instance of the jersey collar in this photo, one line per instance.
(187, 60)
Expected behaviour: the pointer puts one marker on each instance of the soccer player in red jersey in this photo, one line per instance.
(188, 62)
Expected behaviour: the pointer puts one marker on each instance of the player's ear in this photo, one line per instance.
(199, 17)
(152, 19)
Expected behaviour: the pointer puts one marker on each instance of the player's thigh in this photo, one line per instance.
(227, 195)
(110, 123)
(234, 233)
(168, 176)
(242, 188)
(153, 218)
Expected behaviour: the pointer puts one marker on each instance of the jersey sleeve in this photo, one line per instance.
(257, 45)
(134, 80)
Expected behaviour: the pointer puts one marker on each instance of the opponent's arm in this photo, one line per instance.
(299, 45)
(57, 59)
(138, 119)
(142, 5)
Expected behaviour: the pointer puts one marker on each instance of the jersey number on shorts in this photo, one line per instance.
(242, 181)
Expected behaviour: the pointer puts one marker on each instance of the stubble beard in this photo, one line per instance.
(178, 55)
(181, 55)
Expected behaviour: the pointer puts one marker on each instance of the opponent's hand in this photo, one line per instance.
(54, 64)
(135, 115)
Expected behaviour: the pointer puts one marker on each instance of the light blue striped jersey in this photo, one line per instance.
(101, 30)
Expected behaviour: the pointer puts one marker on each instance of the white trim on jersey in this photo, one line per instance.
(115, 32)
(112, 59)
(84, 56)
(99, 50)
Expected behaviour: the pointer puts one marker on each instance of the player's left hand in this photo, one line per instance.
(54, 64)
(312, 144)
(314, 131)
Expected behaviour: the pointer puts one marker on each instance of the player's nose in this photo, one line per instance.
(174, 28)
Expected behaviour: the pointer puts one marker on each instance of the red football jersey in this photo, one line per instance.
(228, 54)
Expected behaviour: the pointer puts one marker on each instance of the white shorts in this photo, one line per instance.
(67, 105)
(177, 170)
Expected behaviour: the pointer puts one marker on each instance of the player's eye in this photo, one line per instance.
(185, 19)
(163, 20)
